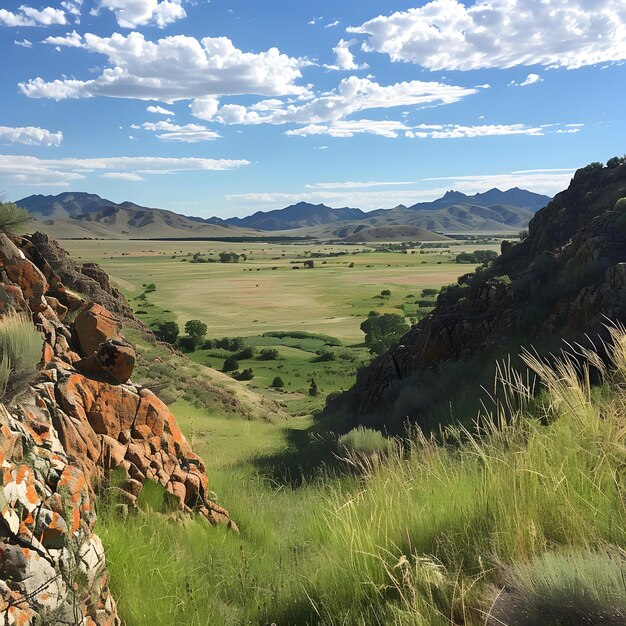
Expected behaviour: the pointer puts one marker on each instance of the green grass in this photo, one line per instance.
(330, 299)
(20, 352)
(425, 537)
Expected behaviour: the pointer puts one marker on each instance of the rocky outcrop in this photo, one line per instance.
(82, 418)
(563, 280)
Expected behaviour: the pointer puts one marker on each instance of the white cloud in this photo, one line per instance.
(159, 110)
(456, 131)
(174, 68)
(349, 128)
(531, 79)
(344, 59)
(122, 176)
(332, 24)
(70, 40)
(28, 16)
(24, 43)
(28, 170)
(445, 34)
(351, 96)
(30, 135)
(359, 185)
(133, 13)
(189, 133)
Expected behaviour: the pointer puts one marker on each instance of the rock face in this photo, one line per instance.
(564, 280)
(82, 419)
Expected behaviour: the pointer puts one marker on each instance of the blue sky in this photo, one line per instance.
(225, 107)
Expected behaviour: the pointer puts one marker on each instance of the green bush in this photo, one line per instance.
(166, 331)
(278, 382)
(268, 354)
(187, 343)
(13, 219)
(230, 364)
(366, 441)
(20, 352)
(246, 374)
(564, 588)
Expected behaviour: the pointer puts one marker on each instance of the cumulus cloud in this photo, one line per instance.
(133, 13)
(344, 59)
(531, 79)
(159, 110)
(28, 170)
(351, 96)
(69, 40)
(446, 34)
(30, 136)
(28, 16)
(24, 43)
(189, 133)
(173, 68)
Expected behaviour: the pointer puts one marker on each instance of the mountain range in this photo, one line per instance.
(84, 215)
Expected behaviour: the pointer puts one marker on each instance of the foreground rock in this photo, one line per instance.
(81, 419)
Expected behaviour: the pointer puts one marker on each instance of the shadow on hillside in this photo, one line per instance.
(308, 455)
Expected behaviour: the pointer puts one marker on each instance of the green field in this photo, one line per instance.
(250, 298)
(264, 293)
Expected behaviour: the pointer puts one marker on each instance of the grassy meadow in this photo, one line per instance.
(513, 524)
(264, 294)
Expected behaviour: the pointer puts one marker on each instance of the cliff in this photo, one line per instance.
(563, 280)
(81, 418)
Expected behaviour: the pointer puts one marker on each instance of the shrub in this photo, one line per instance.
(246, 353)
(20, 352)
(187, 343)
(429, 292)
(246, 374)
(565, 588)
(385, 292)
(232, 344)
(230, 364)
(323, 356)
(13, 219)
(268, 354)
(278, 383)
(363, 440)
(313, 389)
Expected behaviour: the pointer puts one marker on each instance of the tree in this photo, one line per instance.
(230, 364)
(229, 257)
(278, 383)
(166, 331)
(13, 219)
(187, 343)
(309, 264)
(196, 329)
(313, 389)
(382, 331)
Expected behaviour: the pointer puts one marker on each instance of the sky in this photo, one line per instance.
(226, 107)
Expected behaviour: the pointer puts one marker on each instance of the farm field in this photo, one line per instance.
(320, 309)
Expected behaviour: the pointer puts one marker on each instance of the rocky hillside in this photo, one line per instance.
(564, 280)
(80, 418)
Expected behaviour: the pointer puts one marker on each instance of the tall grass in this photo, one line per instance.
(422, 538)
(20, 352)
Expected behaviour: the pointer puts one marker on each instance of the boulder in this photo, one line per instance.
(95, 325)
(113, 361)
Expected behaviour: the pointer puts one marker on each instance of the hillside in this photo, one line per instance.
(563, 280)
(82, 215)
(298, 215)
(392, 233)
(492, 211)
